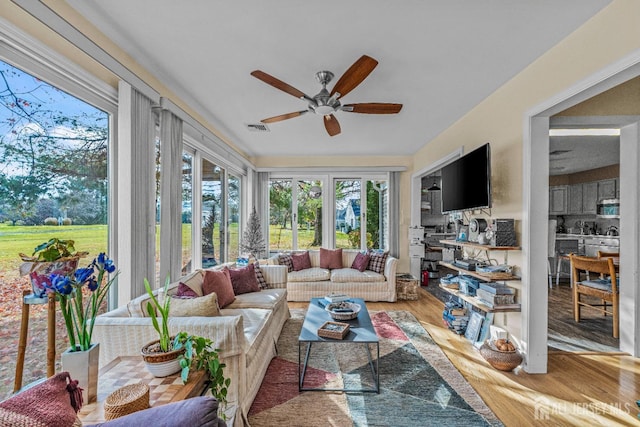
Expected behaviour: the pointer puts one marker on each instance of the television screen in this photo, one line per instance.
(466, 182)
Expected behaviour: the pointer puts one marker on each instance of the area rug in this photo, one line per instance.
(418, 384)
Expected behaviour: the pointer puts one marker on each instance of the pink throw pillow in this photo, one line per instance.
(330, 259)
(219, 281)
(301, 261)
(244, 280)
(185, 291)
(361, 262)
(53, 403)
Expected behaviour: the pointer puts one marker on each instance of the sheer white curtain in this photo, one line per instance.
(170, 196)
(135, 195)
(394, 213)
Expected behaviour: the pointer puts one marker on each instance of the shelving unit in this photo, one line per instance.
(477, 303)
(503, 277)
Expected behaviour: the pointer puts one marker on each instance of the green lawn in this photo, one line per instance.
(280, 238)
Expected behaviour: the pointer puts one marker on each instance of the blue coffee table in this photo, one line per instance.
(361, 331)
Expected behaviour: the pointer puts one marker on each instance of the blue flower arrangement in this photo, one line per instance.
(69, 288)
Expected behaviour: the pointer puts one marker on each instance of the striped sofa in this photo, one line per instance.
(317, 282)
(246, 334)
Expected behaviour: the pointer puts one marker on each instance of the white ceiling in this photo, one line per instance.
(439, 58)
(570, 154)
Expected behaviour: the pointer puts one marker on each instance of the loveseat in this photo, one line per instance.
(246, 332)
(316, 280)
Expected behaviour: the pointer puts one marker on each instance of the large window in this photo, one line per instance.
(359, 217)
(186, 216)
(54, 182)
(213, 230)
(233, 216)
(295, 214)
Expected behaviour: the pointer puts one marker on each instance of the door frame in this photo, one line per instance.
(536, 123)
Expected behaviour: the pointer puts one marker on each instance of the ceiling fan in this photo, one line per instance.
(326, 103)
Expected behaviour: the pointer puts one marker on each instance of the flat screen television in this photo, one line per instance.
(466, 182)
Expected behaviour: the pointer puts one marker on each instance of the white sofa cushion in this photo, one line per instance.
(314, 274)
(346, 275)
(267, 299)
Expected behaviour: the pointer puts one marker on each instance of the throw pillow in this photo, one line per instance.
(206, 306)
(361, 262)
(185, 291)
(47, 404)
(377, 261)
(286, 259)
(194, 281)
(194, 412)
(301, 261)
(262, 282)
(244, 280)
(330, 258)
(219, 281)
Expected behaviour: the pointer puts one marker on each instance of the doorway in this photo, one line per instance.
(584, 169)
(536, 205)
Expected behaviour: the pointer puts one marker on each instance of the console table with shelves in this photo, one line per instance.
(501, 276)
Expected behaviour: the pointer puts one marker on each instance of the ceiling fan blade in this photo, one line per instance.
(278, 84)
(282, 117)
(354, 75)
(331, 125)
(373, 108)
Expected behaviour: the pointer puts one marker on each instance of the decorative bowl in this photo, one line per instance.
(343, 310)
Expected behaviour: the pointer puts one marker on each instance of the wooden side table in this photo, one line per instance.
(131, 369)
(28, 299)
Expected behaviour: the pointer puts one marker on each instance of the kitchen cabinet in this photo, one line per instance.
(574, 199)
(607, 189)
(433, 200)
(582, 198)
(558, 200)
(590, 197)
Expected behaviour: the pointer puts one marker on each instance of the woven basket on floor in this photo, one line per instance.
(501, 360)
(126, 400)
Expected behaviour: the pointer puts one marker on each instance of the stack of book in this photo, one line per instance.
(495, 294)
(455, 317)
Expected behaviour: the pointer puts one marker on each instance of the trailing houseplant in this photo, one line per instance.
(200, 354)
(160, 356)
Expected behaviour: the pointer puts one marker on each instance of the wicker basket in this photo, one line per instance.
(501, 360)
(406, 287)
(334, 330)
(336, 315)
(126, 400)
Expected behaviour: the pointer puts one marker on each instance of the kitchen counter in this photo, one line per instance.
(563, 236)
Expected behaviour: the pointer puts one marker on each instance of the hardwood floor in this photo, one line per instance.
(593, 333)
(580, 389)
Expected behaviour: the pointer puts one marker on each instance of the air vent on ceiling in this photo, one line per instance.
(257, 127)
(558, 152)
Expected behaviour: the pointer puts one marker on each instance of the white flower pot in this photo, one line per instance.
(83, 367)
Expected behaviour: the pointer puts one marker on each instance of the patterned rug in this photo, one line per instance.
(418, 384)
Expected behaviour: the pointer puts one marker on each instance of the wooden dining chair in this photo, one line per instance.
(603, 254)
(602, 284)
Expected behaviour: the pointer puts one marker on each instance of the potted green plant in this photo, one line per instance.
(53, 256)
(160, 356)
(200, 354)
